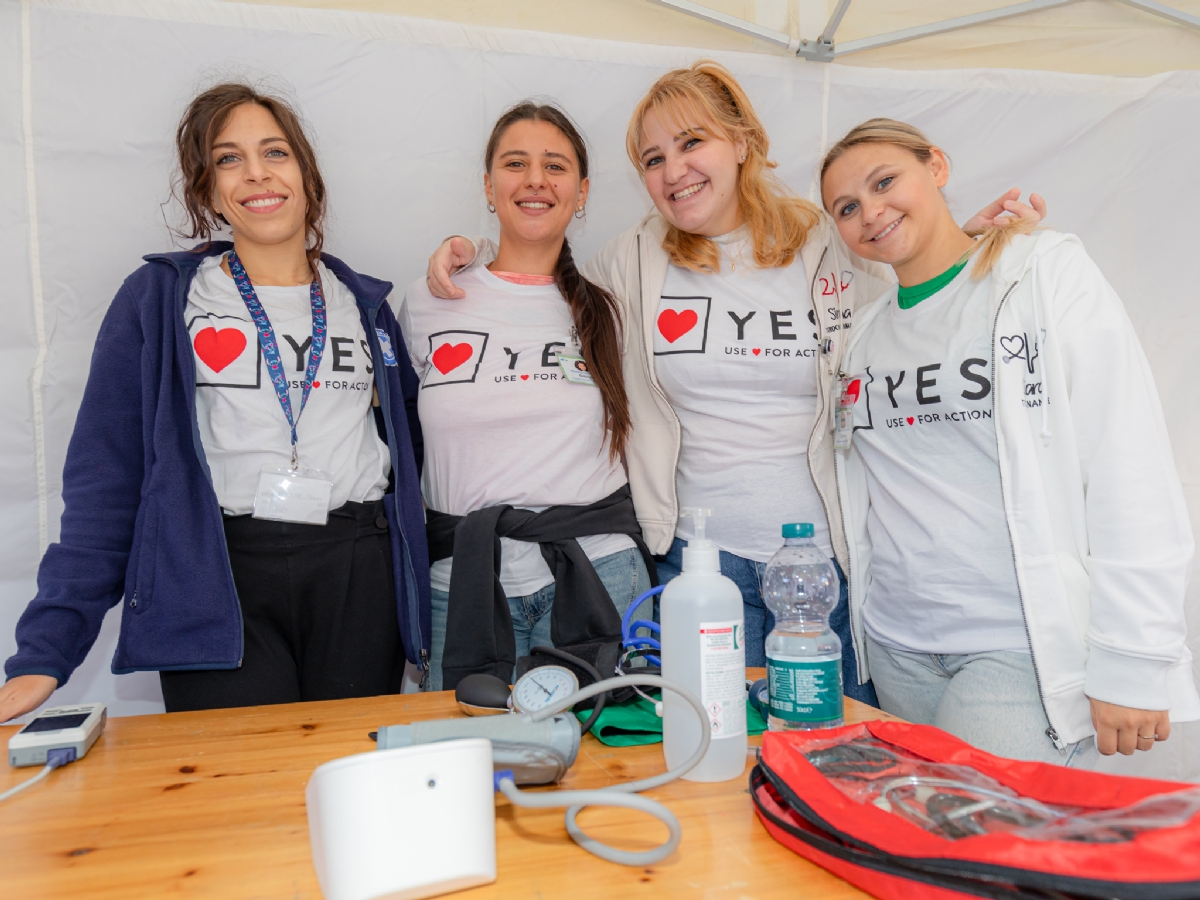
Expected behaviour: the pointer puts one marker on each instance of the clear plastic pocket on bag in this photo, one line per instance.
(955, 801)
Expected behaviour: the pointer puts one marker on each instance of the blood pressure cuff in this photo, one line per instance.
(905, 810)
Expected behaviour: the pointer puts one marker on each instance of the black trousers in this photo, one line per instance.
(318, 614)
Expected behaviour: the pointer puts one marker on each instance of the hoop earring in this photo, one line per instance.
(579, 213)
(491, 207)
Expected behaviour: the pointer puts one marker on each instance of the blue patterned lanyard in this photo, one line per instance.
(270, 348)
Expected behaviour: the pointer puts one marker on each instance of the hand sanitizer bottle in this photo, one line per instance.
(703, 649)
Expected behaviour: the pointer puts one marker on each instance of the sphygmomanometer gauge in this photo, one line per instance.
(540, 687)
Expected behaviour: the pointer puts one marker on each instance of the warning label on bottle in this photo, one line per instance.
(723, 680)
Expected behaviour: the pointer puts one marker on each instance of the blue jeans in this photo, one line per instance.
(990, 700)
(623, 573)
(748, 576)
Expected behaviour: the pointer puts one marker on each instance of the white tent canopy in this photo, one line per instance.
(1097, 37)
(90, 92)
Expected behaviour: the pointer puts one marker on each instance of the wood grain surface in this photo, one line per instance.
(211, 804)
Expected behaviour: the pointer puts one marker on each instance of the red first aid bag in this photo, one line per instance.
(907, 811)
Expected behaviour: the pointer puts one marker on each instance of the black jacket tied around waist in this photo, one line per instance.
(479, 630)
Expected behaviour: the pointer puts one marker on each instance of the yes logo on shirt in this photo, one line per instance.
(681, 325)
(226, 351)
(454, 357)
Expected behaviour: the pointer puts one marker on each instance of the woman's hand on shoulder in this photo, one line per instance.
(24, 693)
(453, 253)
(1005, 208)
(1123, 729)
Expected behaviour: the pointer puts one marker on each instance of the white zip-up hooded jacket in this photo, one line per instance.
(1100, 535)
(633, 268)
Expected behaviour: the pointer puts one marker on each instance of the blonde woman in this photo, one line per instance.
(1015, 525)
(736, 296)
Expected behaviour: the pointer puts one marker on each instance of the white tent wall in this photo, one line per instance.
(401, 108)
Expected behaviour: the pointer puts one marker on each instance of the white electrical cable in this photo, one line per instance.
(49, 767)
(622, 795)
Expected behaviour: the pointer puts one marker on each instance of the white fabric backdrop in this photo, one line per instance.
(401, 108)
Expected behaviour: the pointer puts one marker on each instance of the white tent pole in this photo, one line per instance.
(835, 21)
(823, 48)
(35, 274)
(826, 52)
(1167, 12)
(741, 26)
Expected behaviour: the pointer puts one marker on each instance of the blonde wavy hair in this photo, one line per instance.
(707, 93)
(992, 241)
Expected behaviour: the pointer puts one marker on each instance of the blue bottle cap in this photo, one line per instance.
(798, 530)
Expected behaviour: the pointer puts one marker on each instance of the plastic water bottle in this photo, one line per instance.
(804, 658)
(704, 650)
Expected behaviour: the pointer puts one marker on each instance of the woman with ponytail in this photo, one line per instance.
(1015, 525)
(533, 538)
(737, 295)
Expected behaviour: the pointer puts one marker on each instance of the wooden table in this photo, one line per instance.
(211, 804)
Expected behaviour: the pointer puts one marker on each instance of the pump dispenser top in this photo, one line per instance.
(700, 555)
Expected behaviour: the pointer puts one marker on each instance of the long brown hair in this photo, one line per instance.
(203, 120)
(779, 221)
(993, 239)
(594, 310)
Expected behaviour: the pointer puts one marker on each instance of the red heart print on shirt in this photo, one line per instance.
(217, 349)
(524, 377)
(909, 420)
(451, 356)
(854, 389)
(756, 351)
(674, 325)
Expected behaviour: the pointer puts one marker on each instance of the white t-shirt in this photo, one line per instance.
(736, 354)
(942, 572)
(502, 425)
(242, 425)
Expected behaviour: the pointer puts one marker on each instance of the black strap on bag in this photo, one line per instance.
(980, 879)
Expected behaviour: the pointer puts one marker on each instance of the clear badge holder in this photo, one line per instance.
(575, 369)
(293, 494)
(843, 418)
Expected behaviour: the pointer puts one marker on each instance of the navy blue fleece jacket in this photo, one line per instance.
(142, 525)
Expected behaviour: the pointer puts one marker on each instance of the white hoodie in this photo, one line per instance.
(1100, 535)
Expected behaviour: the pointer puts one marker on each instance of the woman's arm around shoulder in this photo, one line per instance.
(454, 254)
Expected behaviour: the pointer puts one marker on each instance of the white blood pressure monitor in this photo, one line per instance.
(59, 727)
(540, 687)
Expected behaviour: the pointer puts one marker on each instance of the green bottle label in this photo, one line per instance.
(805, 690)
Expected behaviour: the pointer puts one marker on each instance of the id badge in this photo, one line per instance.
(575, 369)
(293, 495)
(843, 429)
(843, 418)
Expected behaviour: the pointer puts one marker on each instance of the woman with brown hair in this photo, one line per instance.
(229, 479)
(736, 295)
(525, 419)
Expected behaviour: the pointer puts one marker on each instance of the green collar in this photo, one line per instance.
(908, 297)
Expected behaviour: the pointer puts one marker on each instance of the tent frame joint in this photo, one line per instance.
(824, 49)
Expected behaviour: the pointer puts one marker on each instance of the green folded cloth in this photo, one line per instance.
(635, 723)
